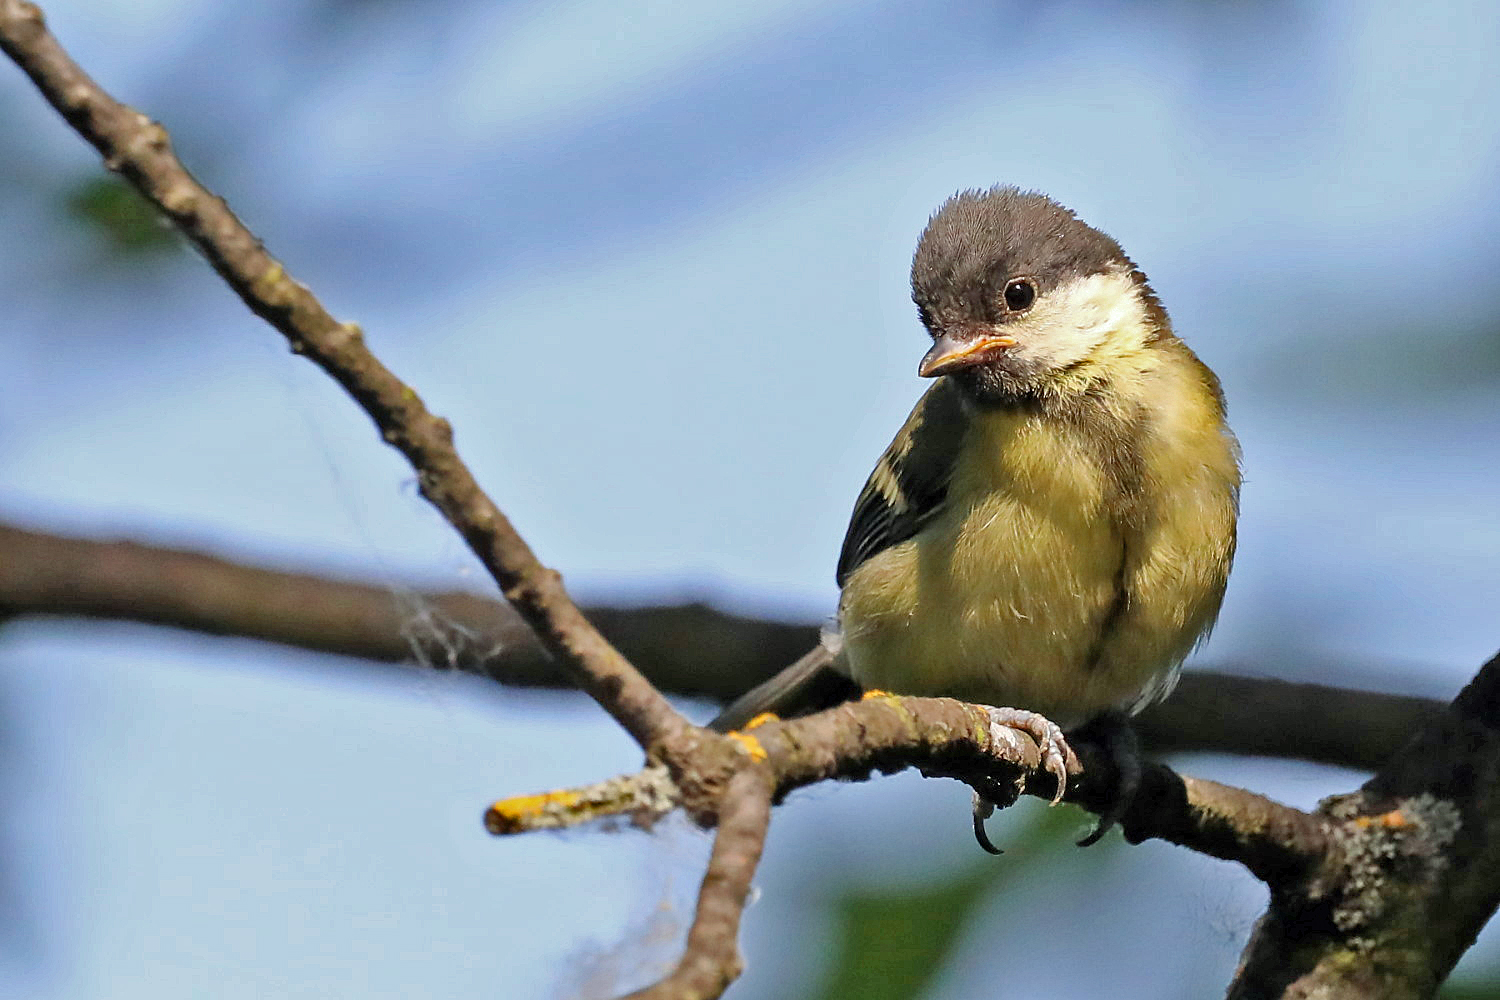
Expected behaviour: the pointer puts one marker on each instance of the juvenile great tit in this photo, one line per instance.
(1052, 527)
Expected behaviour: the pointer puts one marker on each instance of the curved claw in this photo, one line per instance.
(1055, 753)
(983, 810)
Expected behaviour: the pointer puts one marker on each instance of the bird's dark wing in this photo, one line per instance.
(910, 482)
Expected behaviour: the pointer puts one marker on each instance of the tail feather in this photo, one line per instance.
(811, 684)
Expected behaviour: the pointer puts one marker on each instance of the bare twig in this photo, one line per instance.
(645, 797)
(711, 960)
(139, 150)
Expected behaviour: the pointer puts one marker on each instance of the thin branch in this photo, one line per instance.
(645, 797)
(952, 739)
(139, 150)
(1274, 841)
(711, 960)
(689, 649)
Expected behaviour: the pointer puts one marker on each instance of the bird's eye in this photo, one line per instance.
(1019, 295)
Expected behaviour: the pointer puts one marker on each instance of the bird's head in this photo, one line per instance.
(1017, 293)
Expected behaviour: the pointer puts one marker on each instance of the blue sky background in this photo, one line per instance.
(651, 261)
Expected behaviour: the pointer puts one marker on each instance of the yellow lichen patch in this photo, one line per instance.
(520, 812)
(761, 720)
(983, 728)
(751, 744)
(875, 693)
(1393, 820)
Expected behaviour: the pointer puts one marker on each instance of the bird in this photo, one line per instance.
(1052, 528)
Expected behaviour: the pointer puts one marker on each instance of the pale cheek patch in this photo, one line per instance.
(1100, 314)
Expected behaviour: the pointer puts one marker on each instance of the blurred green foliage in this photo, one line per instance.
(894, 942)
(1480, 985)
(124, 222)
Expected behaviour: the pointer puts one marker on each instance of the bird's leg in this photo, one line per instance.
(1114, 734)
(1055, 754)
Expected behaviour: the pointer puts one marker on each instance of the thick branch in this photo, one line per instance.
(1411, 874)
(139, 150)
(686, 649)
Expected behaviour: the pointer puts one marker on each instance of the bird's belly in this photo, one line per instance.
(1011, 608)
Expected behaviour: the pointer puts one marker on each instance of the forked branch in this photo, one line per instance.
(139, 150)
(711, 960)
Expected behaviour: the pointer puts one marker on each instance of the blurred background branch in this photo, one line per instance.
(687, 649)
(139, 149)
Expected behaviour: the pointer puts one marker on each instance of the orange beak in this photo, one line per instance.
(949, 354)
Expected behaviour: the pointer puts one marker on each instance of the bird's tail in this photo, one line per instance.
(811, 684)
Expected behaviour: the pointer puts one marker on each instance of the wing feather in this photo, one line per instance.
(910, 482)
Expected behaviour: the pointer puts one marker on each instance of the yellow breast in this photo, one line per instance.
(1042, 585)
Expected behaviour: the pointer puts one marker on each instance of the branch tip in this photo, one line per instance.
(645, 797)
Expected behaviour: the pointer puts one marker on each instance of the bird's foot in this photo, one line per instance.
(1113, 733)
(1056, 756)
